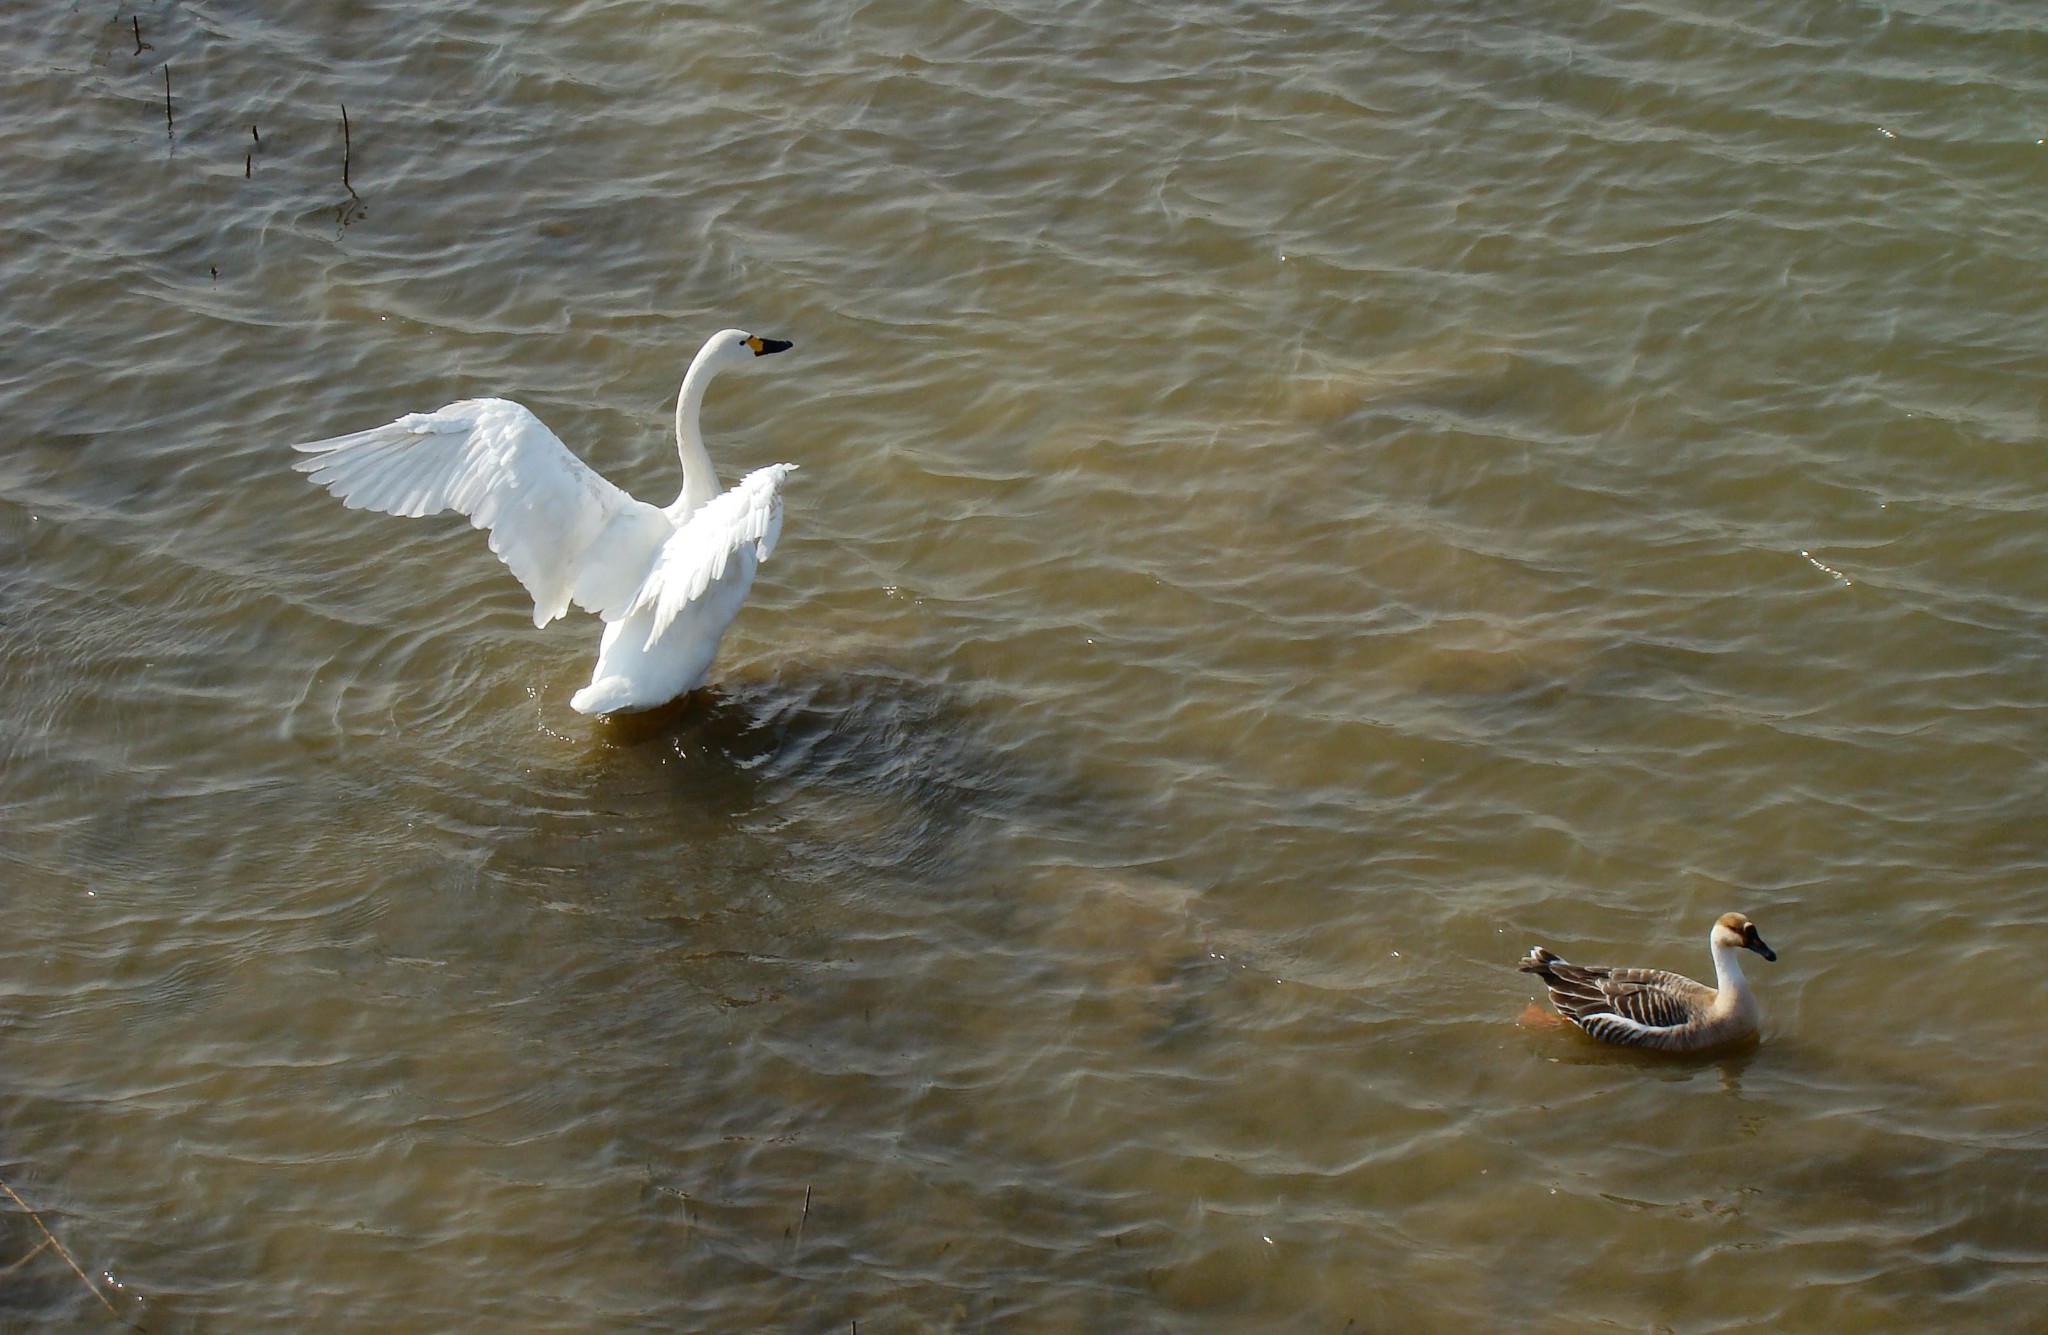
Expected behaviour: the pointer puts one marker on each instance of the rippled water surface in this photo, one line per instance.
(1298, 503)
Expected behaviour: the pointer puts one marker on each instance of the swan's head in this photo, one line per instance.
(729, 348)
(1736, 930)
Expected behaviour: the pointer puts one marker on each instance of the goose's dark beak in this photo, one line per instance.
(1751, 940)
(763, 346)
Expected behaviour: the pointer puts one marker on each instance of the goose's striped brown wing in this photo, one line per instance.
(1632, 1007)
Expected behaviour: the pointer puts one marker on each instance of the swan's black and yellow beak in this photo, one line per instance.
(763, 346)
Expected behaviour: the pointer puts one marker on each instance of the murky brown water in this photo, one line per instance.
(1299, 502)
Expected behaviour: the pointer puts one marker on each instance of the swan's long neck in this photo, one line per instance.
(700, 480)
(1731, 989)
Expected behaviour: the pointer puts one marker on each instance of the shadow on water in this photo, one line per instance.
(862, 729)
(863, 776)
(836, 767)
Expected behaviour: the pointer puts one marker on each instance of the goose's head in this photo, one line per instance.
(1735, 929)
(729, 348)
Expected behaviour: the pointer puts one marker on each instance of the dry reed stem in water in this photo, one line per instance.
(50, 1240)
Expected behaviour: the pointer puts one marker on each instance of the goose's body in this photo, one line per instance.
(666, 580)
(1653, 1008)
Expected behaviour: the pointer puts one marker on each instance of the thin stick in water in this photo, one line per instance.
(805, 1218)
(33, 1253)
(169, 132)
(346, 151)
(51, 1239)
(140, 45)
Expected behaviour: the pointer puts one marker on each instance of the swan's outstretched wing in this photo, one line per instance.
(565, 532)
(696, 556)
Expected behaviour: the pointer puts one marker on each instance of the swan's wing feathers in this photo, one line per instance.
(698, 554)
(565, 532)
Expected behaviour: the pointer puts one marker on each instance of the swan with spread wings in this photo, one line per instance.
(667, 581)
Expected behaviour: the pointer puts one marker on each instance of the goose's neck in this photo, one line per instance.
(700, 480)
(1731, 989)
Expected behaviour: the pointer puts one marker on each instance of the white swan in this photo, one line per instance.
(666, 581)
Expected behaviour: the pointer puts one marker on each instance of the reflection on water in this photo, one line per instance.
(1297, 505)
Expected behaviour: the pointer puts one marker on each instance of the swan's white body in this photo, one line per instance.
(667, 581)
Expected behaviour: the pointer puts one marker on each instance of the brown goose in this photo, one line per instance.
(1651, 1008)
